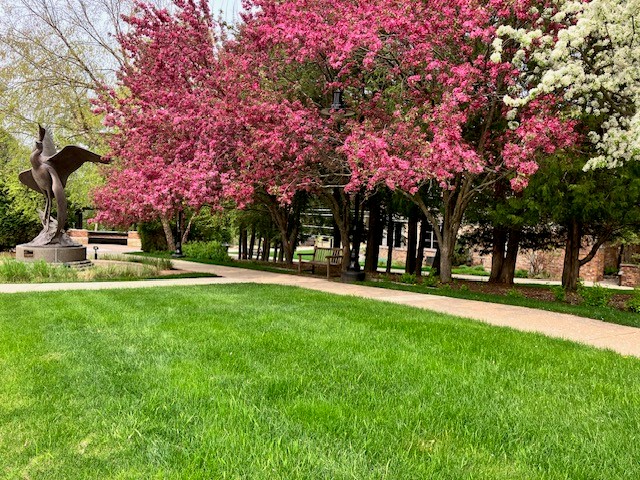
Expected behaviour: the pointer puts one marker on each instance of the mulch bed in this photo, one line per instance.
(543, 293)
(618, 300)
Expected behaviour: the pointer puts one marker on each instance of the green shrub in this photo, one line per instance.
(409, 278)
(477, 270)
(514, 293)
(212, 226)
(559, 293)
(430, 280)
(152, 237)
(596, 296)
(123, 272)
(17, 225)
(461, 255)
(633, 303)
(213, 251)
(13, 271)
(159, 263)
(521, 273)
(611, 271)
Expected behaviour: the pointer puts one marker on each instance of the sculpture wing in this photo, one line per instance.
(71, 158)
(48, 147)
(26, 177)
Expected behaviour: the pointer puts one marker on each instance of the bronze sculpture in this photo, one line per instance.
(48, 175)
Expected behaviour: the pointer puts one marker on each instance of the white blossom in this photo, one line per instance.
(594, 64)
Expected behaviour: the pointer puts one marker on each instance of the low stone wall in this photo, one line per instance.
(133, 239)
(629, 275)
(82, 237)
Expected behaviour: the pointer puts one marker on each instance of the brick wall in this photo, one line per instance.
(549, 263)
(543, 263)
(611, 254)
(133, 239)
(399, 254)
(80, 236)
(629, 275)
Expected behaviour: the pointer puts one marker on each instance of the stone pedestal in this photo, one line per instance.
(51, 253)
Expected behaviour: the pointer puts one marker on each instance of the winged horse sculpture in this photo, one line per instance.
(48, 175)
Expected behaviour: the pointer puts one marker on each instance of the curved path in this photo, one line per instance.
(622, 339)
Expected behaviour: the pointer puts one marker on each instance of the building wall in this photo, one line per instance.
(549, 263)
(539, 263)
(399, 254)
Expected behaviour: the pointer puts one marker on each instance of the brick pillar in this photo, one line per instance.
(629, 275)
(133, 239)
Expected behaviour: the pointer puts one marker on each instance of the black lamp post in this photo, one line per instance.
(353, 273)
(178, 252)
(338, 108)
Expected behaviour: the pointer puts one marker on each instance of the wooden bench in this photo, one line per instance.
(322, 257)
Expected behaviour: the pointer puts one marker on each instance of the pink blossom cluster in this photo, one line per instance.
(200, 117)
(430, 59)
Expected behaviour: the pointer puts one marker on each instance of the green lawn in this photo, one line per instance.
(268, 382)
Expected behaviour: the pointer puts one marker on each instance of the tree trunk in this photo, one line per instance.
(339, 203)
(337, 240)
(571, 267)
(421, 246)
(187, 230)
(620, 257)
(390, 240)
(446, 255)
(397, 242)
(287, 219)
(509, 265)
(454, 203)
(168, 233)
(259, 245)
(346, 247)
(497, 253)
(412, 241)
(266, 248)
(281, 254)
(435, 267)
(275, 252)
(252, 242)
(244, 246)
(449, 235)
(373, 235)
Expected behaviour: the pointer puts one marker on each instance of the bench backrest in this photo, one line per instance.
(320, 254)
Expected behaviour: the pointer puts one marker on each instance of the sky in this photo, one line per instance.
(229, 8)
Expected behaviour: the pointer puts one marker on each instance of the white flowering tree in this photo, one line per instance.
(590, 53)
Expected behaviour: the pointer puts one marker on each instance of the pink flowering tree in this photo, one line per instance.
(199, 119)
(430, 116)
(156, 112)
(268, 138)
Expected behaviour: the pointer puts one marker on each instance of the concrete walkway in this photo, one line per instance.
(622, 339)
